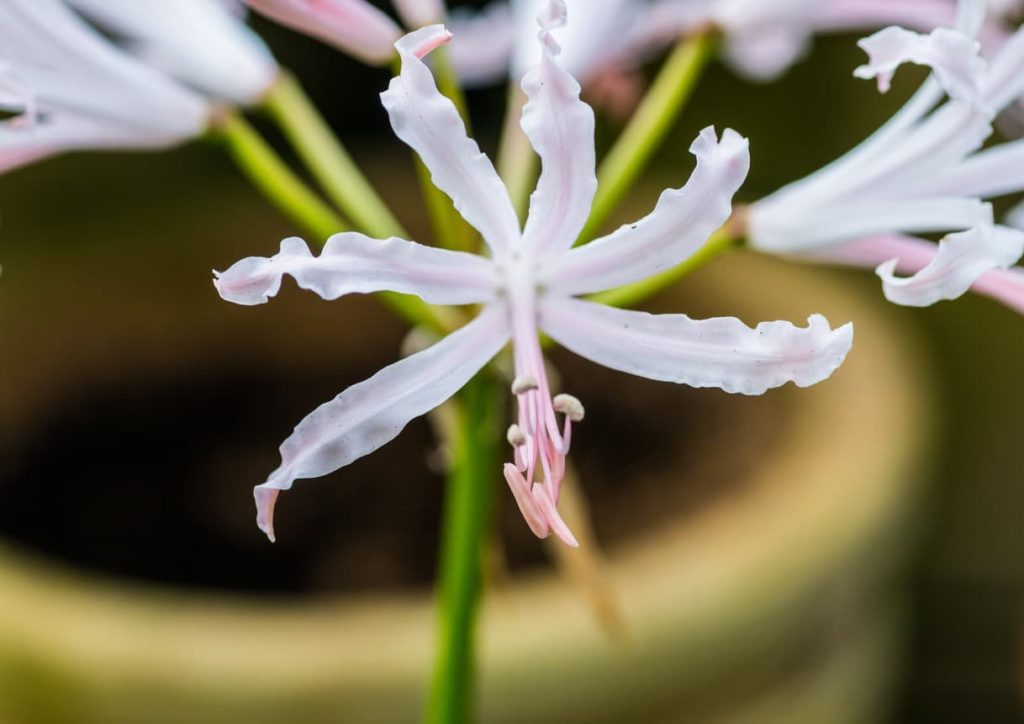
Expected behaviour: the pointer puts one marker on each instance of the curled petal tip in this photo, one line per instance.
(553, 16)
(266, 499)
(420, 43)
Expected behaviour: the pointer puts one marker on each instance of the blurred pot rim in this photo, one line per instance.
(844, 476)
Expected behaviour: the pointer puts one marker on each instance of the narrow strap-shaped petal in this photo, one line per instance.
(372, 413)
(354, 26)
(911, 255)
(429, 123)
(792, 227)
(722, 352)
(996, 171)
(200, 42)
(561, 129)
(681, 222)
(352, 263)
(961, 260)
(953, 56)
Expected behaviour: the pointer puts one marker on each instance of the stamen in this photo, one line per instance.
(516, 436)
(569, 406)
(523, 384)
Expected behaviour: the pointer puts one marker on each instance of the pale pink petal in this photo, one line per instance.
(372, 413)
(961, 259)
(417, 13)
(354, 26)
(561, 129)
(794, 227)
(723, 352)
(911, 255)
(429, 123)
(679, 225)
(352, 263)
(953, 56)
(1005, 286)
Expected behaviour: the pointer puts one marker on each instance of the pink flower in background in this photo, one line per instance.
(529, 284)
(354, 26)
(418, 13)
(922, 172)
(200, 42)
(77, 91)
(762, 39)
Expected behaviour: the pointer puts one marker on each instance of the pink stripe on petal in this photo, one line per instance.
(354, 26)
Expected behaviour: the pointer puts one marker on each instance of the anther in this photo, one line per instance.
(569, 406)
(523, 384)
(516, 437)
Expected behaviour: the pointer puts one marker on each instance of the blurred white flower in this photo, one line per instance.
(199, 42)
(922, 172)
(530, 282)
(499, 40)
(418, 13)
(74, 90)
(353, 26)
(763, 38)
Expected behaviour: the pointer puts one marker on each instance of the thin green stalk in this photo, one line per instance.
(628, 296)
(293, 197)
(648, 127)
(517, 163)
(328, 159)
(467, 514)
(272, 176)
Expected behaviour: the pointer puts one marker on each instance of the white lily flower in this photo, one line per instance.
(78, 91)
(199, 42)
(527, 285)
(922, 172)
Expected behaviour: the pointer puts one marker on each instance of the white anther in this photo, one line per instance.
(569, 406)
(523, 384)
(516, 436)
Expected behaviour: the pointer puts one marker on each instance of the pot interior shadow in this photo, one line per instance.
(150, 478)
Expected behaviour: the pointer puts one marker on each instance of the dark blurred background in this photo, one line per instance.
(75, 224)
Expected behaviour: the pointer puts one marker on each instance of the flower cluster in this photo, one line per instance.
(87, 74)
(922, 172)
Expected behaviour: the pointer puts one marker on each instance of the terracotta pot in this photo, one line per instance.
(775, 601)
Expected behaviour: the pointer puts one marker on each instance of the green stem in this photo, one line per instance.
(517, 163)
(328, 160)
(647, 129)
(272, 176)
(722, 240)
(467, 514)
(288, 193)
